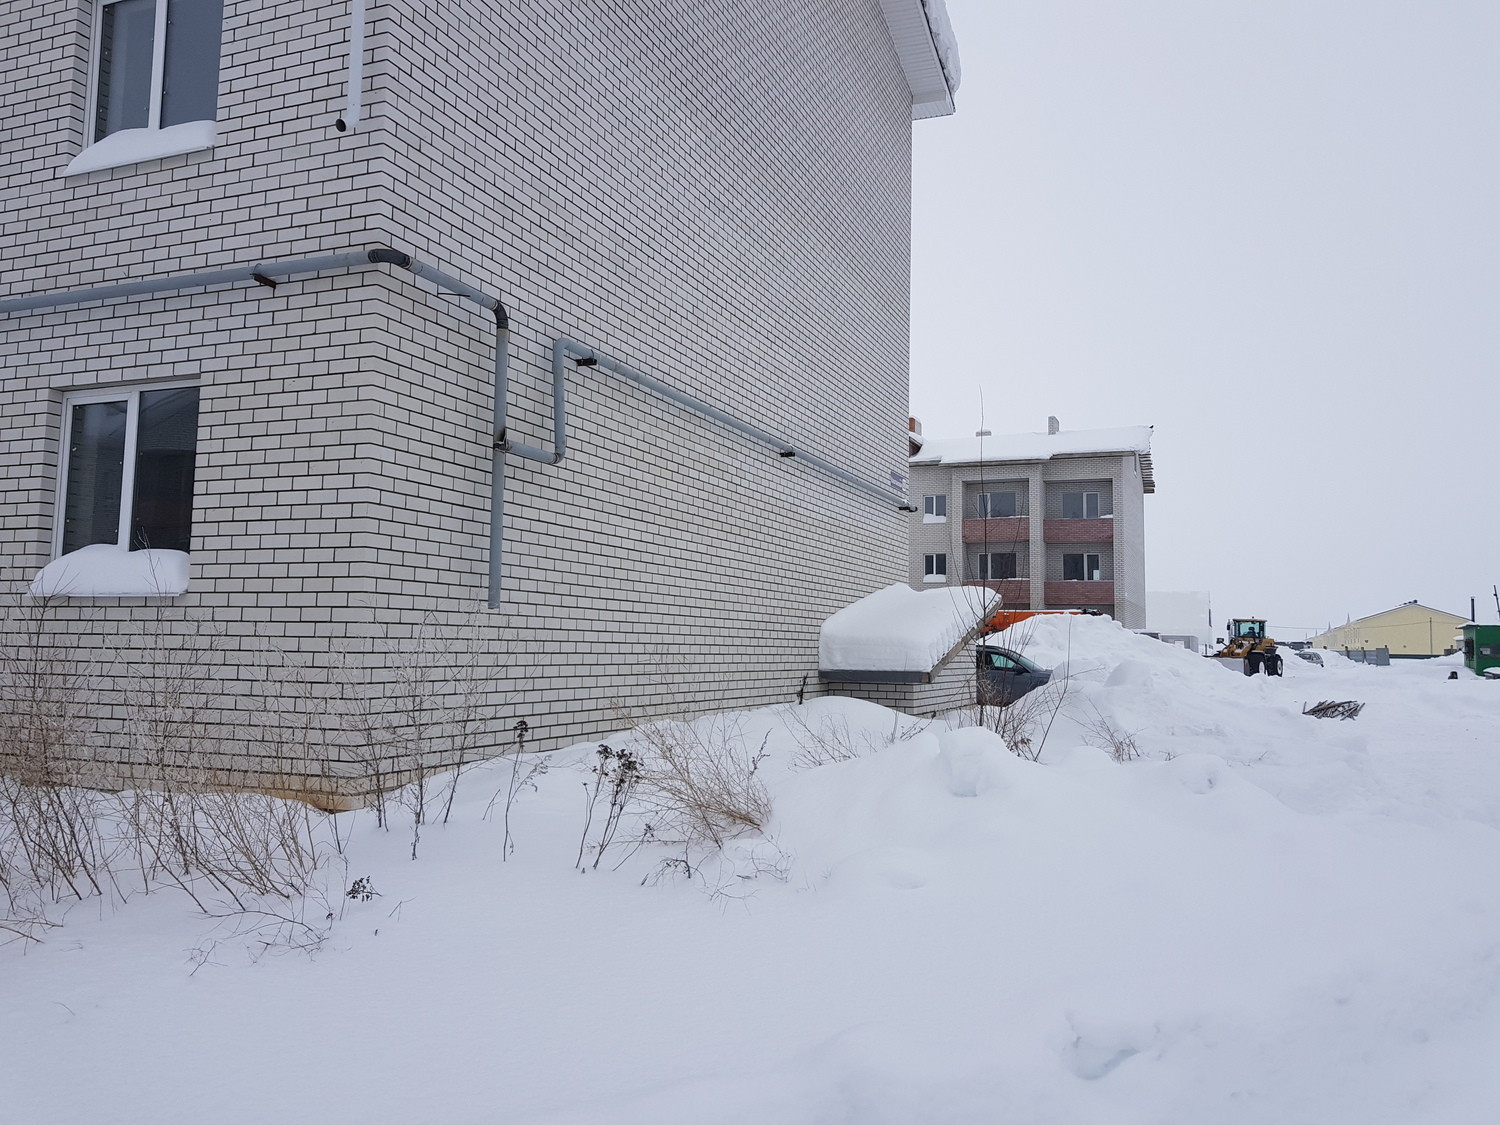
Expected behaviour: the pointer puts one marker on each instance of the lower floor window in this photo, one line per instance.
(997, 565)
(1081, 568)
(935, 566)
(128, 471)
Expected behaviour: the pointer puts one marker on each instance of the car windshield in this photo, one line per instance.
(1011, 661)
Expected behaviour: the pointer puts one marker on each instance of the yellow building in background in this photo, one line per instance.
(1410, 630)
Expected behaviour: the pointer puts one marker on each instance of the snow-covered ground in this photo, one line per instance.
(1266, 918)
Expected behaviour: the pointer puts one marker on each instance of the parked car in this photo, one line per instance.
(1310, 656)
(1005, 675)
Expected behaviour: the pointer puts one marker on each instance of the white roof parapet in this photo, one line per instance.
(1042, 447)
(928, 51)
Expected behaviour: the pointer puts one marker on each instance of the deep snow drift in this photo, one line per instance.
(1265, 918)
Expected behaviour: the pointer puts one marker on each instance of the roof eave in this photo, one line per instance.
(917, 47)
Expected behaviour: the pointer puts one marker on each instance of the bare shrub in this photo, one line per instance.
(616, 777)
(234, 854)
(699, 781)
(833, 740)
(1105, 735)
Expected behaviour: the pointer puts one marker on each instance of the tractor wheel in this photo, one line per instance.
(1253, 662)
(1273, 663)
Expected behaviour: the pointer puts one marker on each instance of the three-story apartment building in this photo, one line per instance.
(1048, 521)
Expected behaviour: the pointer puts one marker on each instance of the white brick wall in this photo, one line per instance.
(715, 195)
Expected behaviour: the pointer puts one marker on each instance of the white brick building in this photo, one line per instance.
(715, 197)
(1048, 521)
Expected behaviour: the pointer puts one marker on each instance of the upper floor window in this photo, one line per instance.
(997, 505)
(1080, 505)
(155, 81)
(935, 508)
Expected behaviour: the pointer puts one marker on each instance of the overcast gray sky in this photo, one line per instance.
(1270, 229)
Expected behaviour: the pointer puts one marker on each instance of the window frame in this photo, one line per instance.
(984, 565)
(131, 394)
(982, 504)
(1097, 571)
(931, 502)
(1084, 505)
(935, 567)
(151, 141)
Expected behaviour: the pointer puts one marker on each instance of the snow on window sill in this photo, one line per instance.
(934, 519)
(104, 570)
(935, 578)
(131, 146)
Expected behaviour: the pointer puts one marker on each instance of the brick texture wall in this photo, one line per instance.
(716, 195)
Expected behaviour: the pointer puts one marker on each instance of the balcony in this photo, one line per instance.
(1000, 532)
(1072, 531)
(1015, 593)
(1061, 593)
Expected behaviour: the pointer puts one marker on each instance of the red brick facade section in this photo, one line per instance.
(1015, 593)
(1100, 595)
(1074, 531)
(1016, 529)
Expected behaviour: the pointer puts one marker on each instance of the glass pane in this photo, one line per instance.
(190, 87)
(165, 445)
(1073, 505)
(1091, 505)
(96, 474)
(127, 38)
(1072, 568)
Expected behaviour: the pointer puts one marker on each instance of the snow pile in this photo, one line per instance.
(899, 629)
(1268, 918)
(106, 570)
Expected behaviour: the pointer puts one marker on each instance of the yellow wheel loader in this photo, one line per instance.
(1249, 649)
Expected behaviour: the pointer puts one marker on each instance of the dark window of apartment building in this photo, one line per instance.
(998, 505)
(1081, 568)
(1080, 505)
(996, 565)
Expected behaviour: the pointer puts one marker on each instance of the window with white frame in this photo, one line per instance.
(127, 471)
(1081, 568)
(993, 566)
(155, 80)
(935, 508)
(997, 505)
(934, 568)
(1080, 505)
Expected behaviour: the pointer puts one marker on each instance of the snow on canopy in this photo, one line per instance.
(899, 629)
(1034, 446)
(106, 570)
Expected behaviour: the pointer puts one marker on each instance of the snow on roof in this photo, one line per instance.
(1034, 447)
(998, 448)
(899, 629)
(928, 52)
(105, 570)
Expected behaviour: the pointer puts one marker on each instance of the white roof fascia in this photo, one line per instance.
(927, 51)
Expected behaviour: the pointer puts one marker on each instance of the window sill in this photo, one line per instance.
(104, 570)
(131, 146)
(934, 519)
(935, 578)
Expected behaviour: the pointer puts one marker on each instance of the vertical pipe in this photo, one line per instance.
(497, 455)
(356, 66)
